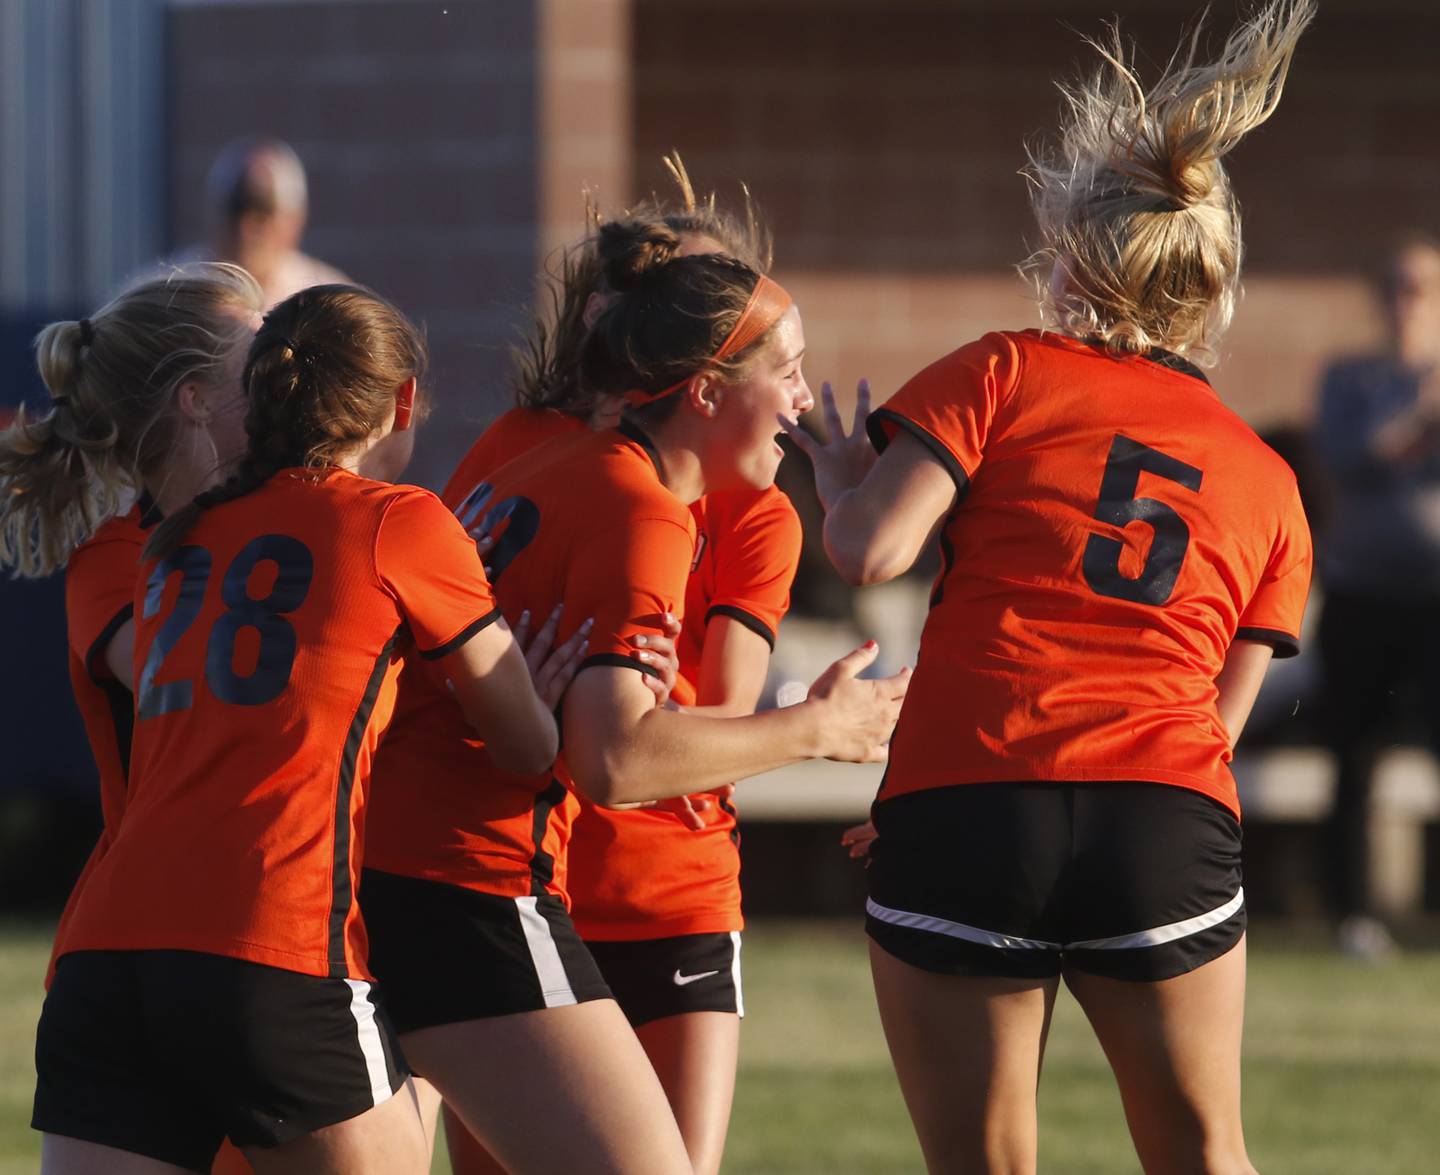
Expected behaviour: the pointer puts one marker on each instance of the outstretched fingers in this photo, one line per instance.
(802, 439)
(544, 640)
(862, 407)
(834, 430)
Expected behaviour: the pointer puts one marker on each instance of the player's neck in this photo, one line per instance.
(680, 468)
(176, 483)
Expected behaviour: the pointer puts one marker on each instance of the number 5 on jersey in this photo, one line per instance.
(1119, 506)
(275, 655)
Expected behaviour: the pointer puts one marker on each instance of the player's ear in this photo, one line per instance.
(594, 307)
(404, 405)
(706, 394)
(192, 402)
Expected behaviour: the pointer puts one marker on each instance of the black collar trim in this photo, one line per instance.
(632, 431)
(1155, 355)
(1176, 363)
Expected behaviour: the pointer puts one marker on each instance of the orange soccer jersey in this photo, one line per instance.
(266, 656)
(1118, 527)
(638, 874)
(583, 520)
(99, 599)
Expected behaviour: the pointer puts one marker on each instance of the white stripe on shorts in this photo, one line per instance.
(554, 983)
(735, 974)
(369, 1034)
(1120, 942)
(1164, 934)
(988, 938)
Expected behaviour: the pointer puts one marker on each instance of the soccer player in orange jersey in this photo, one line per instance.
(146, 401)
(1121, 558)
(656, 893)
(213, 977)
(465, 886)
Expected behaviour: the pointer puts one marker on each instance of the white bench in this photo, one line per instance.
(1283, 785)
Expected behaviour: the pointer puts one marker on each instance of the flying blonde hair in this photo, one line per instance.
(1140, 230)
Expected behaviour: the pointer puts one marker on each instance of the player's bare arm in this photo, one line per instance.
(621, 748)
(880, 513)
(1239, 683)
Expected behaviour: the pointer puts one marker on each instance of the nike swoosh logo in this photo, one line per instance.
(682, 980)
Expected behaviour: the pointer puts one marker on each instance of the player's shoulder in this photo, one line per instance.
(998, 352)
(332, 502)
(132, 528)
(510, 436)
(749, 510)
(630, 466)
(117, 540)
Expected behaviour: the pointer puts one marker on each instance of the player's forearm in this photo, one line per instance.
(1239, 684)
(862, 549)
(667, 753)
(527, 746)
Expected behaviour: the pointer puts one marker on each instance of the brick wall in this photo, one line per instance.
(446, 145)
(884, 141)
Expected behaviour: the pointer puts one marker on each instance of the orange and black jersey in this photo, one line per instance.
(267, 648)
(99, 599)
(745, 562)
(1117, 528)
(583, 519)
(637, 873)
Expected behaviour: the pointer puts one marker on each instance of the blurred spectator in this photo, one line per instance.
(258, 204)
(1378, 434)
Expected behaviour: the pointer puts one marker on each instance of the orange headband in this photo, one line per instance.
(767, 305)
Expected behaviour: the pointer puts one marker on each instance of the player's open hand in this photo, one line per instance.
(857, 716)
(658, 652)
(552, 669)
(841, 460)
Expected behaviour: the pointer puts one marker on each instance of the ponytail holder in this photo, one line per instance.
(87, 332)
(767, 305)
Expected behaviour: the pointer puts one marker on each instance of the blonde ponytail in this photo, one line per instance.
(1140, 231)
(61, 474)
(112, 380)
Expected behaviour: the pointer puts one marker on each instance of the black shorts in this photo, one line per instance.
(1135, 881)
(164, 1053)
(657, 977)
(447, 954)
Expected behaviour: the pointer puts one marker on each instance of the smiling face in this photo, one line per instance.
(742, 449)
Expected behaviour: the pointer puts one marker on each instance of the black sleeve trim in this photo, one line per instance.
(929, 440)
(461, 637)
(95, 655)
(747, 619)
(1285, 644)
(619, 661)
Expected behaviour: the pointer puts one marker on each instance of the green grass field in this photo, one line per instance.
(1342, 1067)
